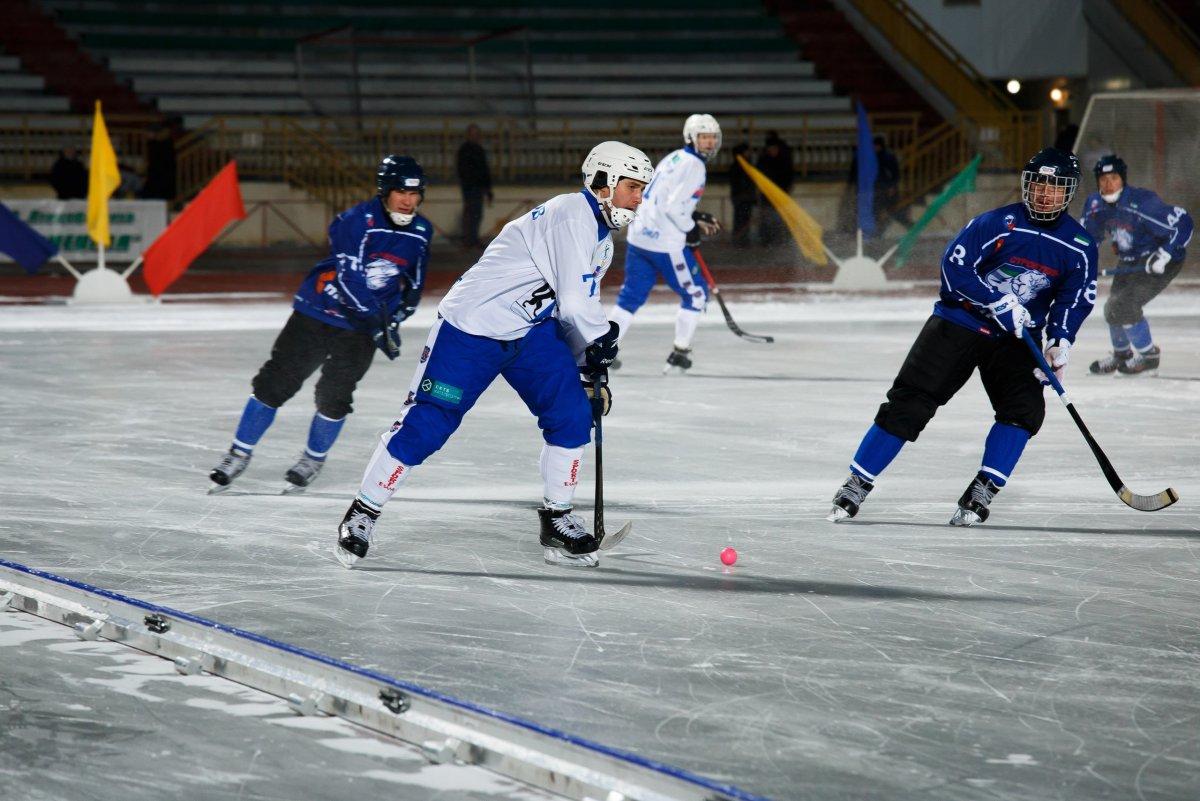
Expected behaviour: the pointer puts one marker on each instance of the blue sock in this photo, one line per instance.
(1139, 335)
(1002, 450)
(322, 434)
(876, 451)
(1118, 336)
(256, 419)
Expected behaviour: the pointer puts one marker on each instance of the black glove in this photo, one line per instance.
(408, 304)
(601, 353)
(692, 239)
(386, 335)
(604, 401)
(708, 224)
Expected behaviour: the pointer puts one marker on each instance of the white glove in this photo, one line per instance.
(1157, 261)
(1058, 353)
(1010, 314)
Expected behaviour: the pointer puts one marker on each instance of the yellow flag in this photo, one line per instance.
(805, 230)
(103, 180)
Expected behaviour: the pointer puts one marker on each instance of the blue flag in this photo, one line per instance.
(26, 246)
(868, 171)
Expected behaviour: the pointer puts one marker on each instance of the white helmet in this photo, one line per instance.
(698, 124)
(607, 164)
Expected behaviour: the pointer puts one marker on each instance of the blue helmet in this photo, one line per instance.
(1110, 164)
(399, 172)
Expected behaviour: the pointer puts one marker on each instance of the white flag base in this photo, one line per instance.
(859, 271)
(102, 285)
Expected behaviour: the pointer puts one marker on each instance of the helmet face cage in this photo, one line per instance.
(606, 165)
(698, 124)
(399, 172)
(1052, 168)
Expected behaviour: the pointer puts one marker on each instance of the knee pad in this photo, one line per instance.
(334, 406)
(906, 417)
(1031, 422)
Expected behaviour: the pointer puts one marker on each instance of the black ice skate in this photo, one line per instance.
(1140, 362)
(303, 473)
(232, 465)
(566, 541)
(973, 505)
(679, 361)
(355, 533)
(1110, 362)
(847, 499)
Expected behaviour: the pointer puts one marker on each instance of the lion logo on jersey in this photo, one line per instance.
(1025, 284)
(378, 272)
(1122, 239)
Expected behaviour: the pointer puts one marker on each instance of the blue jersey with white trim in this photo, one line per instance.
(1051, 269)
(373, 265)
(1138, 224)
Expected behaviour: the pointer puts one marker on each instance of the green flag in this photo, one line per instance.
(963, 182)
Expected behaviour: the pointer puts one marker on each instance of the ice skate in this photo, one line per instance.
(1108, 364)
(848, 498)
(565, 539)
(973, 505)
(678, 362)
(1140, 362)
(303, 473)
(232, 465)
(356, 532)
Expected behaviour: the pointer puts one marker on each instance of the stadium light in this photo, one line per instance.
(1013, 86)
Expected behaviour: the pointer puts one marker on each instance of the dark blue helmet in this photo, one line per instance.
(1110, 164)
(400, 172)
(1053, 167)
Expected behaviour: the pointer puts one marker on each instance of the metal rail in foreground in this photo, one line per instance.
(446, 728)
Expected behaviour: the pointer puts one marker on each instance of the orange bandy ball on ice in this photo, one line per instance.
(728, 556)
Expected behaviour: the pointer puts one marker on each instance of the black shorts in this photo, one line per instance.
(939, 363)
(1131, 292)
(304, 344)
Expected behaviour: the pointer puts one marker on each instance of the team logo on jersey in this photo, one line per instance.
(1122, 239)
(1022, 283)
(1010, 221)
(378, 272)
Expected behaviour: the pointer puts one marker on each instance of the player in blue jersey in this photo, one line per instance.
(351, 303)
(668, 227)
(1026, 265)
(528, 312)
(1150, 239)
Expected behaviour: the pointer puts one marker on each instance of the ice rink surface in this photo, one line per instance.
(1052, 653)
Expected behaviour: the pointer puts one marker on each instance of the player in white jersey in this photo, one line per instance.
(529, 310)
(667, 229)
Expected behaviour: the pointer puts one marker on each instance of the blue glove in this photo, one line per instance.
(1010, 315)
(600, 354)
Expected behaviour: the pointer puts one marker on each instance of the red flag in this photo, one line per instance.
(194, 230)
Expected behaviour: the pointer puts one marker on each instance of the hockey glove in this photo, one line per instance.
(1010, 315)
(605, 399)
(708, 224)
(600, 354)
(1058, 353)
(1157, 261)
(387, 335)
(408, 304)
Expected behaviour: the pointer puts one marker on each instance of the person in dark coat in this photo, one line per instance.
(160, 166)
(68, 176)
(475, 180)
(743, 194)
(775, 162)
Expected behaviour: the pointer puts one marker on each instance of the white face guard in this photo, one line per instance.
(1030, 180)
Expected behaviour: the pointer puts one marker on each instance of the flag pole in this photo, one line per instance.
(58, 257)
(129, 270)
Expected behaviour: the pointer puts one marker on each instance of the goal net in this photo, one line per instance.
(1155, 132)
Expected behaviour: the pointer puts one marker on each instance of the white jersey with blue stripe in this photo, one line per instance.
(1050, 268)
(547, 262)
(665, 216)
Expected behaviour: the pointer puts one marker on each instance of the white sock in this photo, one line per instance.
(686, 321)
(623, 318)
(560, 474)
(384, 475)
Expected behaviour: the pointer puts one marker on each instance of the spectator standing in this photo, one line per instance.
(160, 165)
(475, 179)
(775, 162)
(743, 194)
(68, 176)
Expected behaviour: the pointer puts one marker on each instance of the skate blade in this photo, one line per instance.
(614, 539)
(965, 518)
(559, 557)
(217, 489)
(293, 489)
(837, 514)
(347, 559)
(672, 369)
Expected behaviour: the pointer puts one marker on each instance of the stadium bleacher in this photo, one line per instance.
(23, 92)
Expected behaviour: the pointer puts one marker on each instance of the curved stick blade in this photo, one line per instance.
(1147, 503)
